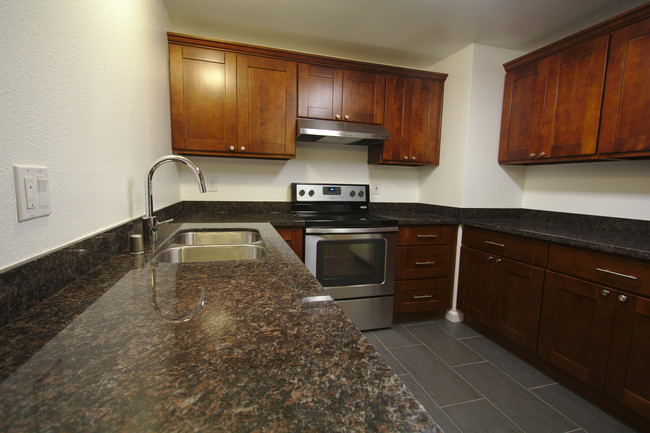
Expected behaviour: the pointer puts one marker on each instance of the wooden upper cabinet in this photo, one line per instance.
(331, 93)
(625, 124)
(230, 104)
(552, 107)
(266, 115)
(523, 110)
(413, 117)
(585, 97)
(203, 99)
(574, 93)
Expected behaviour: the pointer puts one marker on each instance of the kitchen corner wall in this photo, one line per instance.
(470, 176)
(85, 92)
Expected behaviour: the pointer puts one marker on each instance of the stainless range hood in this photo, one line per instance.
(330, 131)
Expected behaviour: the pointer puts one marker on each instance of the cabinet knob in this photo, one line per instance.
(232, 147)
(347, 117)
(605, 292)
(498, 260)
(622, 298)
(542, 154)
(533, 155)
(490, 258)
(242, 148)
(338, 116)
(413, 158)
(406, 157)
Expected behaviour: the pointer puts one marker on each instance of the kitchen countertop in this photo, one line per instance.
(258, 355)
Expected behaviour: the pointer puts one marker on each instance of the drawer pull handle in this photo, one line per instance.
(605, 292)
(496, 244)
(427, 236)
(424, 263)
(423, 297)
(622, 298)
(607, 271)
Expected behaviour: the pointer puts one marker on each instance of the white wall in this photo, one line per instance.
(469, 174)
(443, 185)
(613, 188)
(85, 92)
(241, 179)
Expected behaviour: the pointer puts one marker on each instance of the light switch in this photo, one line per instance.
(32, 192)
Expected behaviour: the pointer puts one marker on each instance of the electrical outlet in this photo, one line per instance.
(375, 189)
(211, 184)
(32, 192)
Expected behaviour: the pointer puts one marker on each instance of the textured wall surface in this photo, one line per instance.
(84, 89)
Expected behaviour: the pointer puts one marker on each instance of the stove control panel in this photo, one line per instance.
(301, 192)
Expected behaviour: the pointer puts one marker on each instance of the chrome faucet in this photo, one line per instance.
(149, 223)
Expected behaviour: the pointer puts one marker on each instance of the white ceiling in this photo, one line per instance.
(411, 33)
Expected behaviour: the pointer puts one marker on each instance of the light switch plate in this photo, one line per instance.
(32, 192)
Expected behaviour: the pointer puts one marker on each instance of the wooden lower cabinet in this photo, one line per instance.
(499, 292)
(576, 326)
(424, 272)
(294, 238)
(628, 367)
(581, 315)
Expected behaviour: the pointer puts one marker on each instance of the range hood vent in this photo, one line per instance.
(333, 132)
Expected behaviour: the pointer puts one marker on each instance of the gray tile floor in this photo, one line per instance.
(469, 384)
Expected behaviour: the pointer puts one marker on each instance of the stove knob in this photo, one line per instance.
(301, 192)
(352, 193)
(311, 193)
(360, 193)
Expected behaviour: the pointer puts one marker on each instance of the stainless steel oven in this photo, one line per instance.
(350, 251)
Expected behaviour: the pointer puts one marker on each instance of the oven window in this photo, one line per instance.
(350, 262)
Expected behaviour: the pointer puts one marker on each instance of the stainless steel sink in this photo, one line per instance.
(213, 237)
(209, 253)
(212, 246)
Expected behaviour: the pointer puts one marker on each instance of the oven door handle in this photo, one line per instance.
(347, 230)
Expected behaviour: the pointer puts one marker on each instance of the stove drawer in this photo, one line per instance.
(426, 235)
(414, 263)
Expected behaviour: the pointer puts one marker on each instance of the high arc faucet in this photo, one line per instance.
(149, 223)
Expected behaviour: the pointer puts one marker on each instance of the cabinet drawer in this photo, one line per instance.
(601, 268)
(422, 295)
(511, 246)
(433, 261)
(426, 235)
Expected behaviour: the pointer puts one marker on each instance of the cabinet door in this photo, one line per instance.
(575, 327)
(574, 93)
(363, 97)
(628, 375)
(320, 91)
(517, 301)
(266, 92)
(397, 120)
(340, 94)
(523, 108)
(203, 99)
(626, 105)
(413, 117)
(426, 121)
(475, 285)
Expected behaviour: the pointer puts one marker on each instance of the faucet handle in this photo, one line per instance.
(164, 222)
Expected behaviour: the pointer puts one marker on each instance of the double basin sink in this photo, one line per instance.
(212, 246)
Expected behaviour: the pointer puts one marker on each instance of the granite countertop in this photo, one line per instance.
(604, 239)
(259, 354)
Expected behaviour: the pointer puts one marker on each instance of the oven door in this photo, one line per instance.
(352, 263)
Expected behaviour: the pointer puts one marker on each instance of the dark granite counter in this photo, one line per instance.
(259, 354)
(633, 244)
